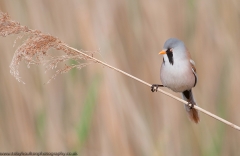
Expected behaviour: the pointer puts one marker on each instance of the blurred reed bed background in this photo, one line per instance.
(97, 111)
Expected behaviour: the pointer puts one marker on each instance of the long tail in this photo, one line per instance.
(192, 113)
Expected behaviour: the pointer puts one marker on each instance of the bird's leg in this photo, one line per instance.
(154, 87)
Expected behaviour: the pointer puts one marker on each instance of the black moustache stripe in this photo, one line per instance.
(170, 56)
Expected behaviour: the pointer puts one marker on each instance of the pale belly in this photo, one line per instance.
(176, 78)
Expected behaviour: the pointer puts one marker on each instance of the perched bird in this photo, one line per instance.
(178, 73)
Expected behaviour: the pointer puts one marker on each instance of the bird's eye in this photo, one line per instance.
(169, 50)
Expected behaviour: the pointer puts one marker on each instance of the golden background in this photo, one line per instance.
(99, 112)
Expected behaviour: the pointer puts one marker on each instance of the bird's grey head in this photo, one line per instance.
(173, 43)
(174, 49)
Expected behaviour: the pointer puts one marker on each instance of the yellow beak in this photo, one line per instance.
(162, 52)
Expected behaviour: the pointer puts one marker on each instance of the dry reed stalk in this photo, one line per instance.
(34, 50)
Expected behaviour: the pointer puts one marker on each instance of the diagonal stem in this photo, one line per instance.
(164, 92)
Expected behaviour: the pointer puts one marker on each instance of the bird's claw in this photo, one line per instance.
(154, 87)
(190, 105)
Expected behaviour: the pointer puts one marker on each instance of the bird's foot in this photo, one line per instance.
(190, 105)
(154, 87)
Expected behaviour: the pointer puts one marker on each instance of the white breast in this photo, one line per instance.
(179, 76)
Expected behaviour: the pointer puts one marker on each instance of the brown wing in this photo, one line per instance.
(194, 70)
(192, 63)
